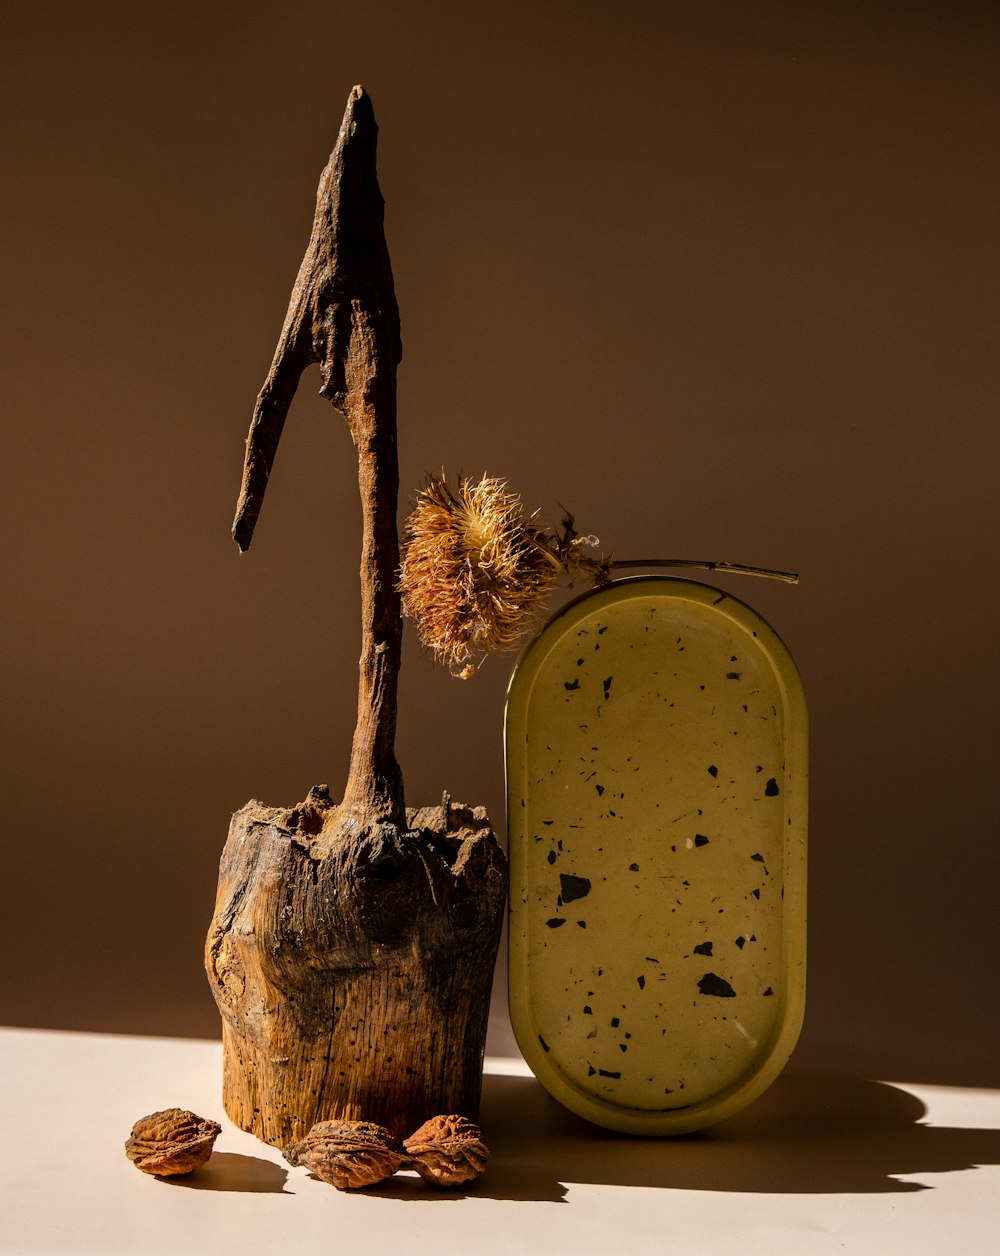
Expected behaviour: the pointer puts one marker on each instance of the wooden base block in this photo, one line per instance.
(353, 965)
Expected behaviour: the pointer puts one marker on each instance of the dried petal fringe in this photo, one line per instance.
(475, 571)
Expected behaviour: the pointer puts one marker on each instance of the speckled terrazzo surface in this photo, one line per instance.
(656, 775)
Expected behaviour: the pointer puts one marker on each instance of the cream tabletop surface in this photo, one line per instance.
(817, 1165)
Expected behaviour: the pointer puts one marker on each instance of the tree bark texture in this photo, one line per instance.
(353, 970)
(352, 949)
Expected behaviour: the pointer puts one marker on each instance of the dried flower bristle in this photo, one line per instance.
(475, 571)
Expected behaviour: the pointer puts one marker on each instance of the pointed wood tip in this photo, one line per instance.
(242, 533)
(359, 106)
(247, 510)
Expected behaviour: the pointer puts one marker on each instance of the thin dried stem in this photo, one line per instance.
(739, 569)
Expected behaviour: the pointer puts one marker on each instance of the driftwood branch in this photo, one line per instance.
(343, 315)
(352, 948)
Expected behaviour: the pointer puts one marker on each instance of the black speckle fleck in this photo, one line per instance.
(641, 982)
(573, 887)
(633, 867)
(615, 1022)
(588, 1010)
(607, 687)
(768, 992)
(734, 675)
(571, 684)
(741, 941)
(758, 858)
(700, 839)
(717, 986)
(771, 788)
(555, 922)
(755, 893)
(703, 948)
(545, 1045)
(607, 1073)
(582, 924)
(552, 856)
(599, 788)
(591, 1071)
(713, 770)
(602, 631)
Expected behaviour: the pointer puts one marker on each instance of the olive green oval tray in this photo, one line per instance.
(656, 754)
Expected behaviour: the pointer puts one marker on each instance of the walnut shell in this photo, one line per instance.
(347, 1154)
(171, 1142)
(447, 1150)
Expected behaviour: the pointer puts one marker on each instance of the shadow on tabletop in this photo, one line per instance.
(229, 1171)
(805, 1135)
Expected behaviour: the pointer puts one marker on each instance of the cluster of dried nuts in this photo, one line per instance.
(446, 1150)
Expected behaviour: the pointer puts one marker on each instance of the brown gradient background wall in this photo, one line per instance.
(720, 277)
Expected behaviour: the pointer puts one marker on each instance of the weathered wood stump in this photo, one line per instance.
(353, 944)
(353, 969)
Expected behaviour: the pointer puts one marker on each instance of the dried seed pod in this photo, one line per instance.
(447, 1150)
(347, 1154)
(475, 570)
(171, 1142)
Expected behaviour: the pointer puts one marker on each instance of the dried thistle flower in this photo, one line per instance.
(475, 570)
